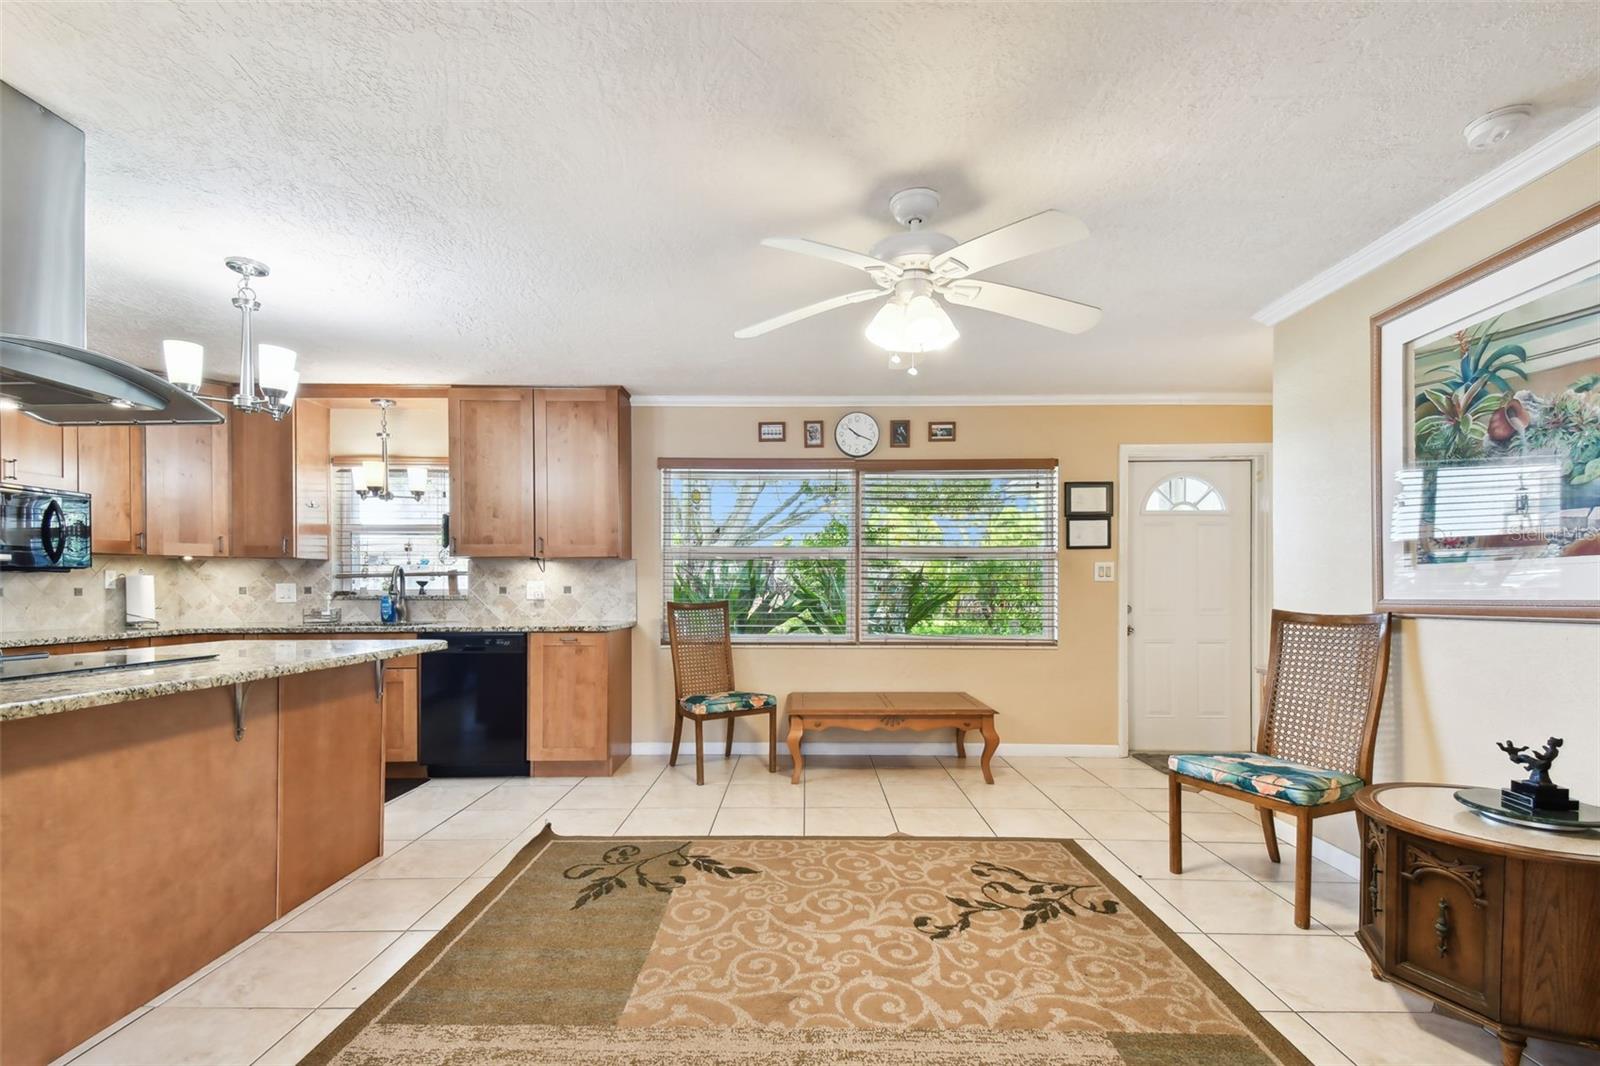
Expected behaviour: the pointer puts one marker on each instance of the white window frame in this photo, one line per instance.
(856, 551)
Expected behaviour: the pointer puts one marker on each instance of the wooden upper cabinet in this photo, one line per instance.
(313, 480)
(36, 453)
(281, 484)
(491, 472)
(187, 488)
(262, 473)
(111, 471)
(583, 483)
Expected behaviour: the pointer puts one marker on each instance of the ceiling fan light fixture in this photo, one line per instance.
(917, 324)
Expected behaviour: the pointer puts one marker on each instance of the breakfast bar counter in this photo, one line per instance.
(157, 815)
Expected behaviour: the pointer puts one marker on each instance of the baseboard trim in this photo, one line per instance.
(927, 747)
(1336, 857)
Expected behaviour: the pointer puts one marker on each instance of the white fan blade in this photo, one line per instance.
(1036, 233)
(806, 312)
(1065, 315)
(828, 251)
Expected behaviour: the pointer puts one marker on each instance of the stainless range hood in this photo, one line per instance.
(44, 366)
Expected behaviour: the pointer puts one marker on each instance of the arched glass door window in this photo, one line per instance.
(1185, 492)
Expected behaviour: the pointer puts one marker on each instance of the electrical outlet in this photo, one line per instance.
(1105, 571)
(284, 592)
(536, 590)
(111, 578)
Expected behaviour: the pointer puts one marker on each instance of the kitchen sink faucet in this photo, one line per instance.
(397, 591)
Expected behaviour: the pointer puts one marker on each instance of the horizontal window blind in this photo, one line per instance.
(959, 555)
(373, 535)
(1477, 500)
(776, 544)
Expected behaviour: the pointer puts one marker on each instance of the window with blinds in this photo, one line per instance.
(866, 554)
(776, 544)
(964, 555)
(373, 535)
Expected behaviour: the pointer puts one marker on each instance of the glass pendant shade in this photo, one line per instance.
(887, 328)
(928, 327)
(919, 324)
(294, 387)
(275, 365)
(417, 481)
(372, 476)
(185, 362)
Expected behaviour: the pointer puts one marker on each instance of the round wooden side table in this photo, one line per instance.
(1497, 924)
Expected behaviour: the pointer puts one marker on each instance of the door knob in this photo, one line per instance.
(1130, 631)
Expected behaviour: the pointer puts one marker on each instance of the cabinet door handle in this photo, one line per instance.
(220, 548)
(284, 549)
(10, 468)
(569, 640)
(138, 541)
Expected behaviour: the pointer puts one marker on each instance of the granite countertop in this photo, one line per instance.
(237, 661)
(86, 634)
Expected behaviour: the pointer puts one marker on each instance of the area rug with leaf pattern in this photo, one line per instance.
(805, 950)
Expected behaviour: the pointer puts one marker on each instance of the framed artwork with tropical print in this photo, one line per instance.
(1487, 436)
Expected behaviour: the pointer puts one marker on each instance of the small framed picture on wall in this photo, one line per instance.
(941, 431)
(1088, 498)
(813, 434)
(772, 432)
(1089, 532)
(900, 433)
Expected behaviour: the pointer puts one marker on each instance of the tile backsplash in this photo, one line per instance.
(224, 592)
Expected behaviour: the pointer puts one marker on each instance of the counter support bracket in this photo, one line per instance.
(238, 711)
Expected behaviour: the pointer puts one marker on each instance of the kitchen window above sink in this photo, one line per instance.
(373, 535)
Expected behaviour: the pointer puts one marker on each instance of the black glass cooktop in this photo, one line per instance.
(18, 667)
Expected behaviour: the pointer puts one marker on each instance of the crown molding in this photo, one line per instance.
(1165, 399)
(1565, 144)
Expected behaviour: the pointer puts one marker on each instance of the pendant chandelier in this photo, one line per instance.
(375, 472)
(267, 375)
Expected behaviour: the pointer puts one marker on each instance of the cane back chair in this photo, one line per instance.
(702, 675)
(1320, 701)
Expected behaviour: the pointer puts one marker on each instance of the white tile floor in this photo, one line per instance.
(279, 993)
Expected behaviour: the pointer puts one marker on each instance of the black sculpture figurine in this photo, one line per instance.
(1538, 792)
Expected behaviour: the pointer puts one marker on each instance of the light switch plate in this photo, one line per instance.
(536, 590)
(1105, 571)
(111, 578)
(285, 592)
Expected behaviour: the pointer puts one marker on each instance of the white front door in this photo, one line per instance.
(1189, 605)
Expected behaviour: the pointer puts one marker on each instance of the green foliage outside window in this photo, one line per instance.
(908, 590)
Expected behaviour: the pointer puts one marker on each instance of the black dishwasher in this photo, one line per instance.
(473, 706)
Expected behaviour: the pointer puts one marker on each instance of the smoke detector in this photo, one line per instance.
(1487, 131)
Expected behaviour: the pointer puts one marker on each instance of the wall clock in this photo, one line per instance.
(856, 434)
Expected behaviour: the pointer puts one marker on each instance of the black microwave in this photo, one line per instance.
(43, 529)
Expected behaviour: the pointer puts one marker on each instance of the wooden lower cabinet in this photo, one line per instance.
(400, 713)
(330, 781)
(140, 844)
(1499, 934)
(580, 702)
(143, 840)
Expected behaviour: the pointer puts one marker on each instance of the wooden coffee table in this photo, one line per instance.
(891, 710)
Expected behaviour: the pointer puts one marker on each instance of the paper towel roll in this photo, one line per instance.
(141, 599)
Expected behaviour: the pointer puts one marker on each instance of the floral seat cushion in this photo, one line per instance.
(1263, 775)
(723, 702)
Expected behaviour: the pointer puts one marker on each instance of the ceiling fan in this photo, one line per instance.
(919, 270)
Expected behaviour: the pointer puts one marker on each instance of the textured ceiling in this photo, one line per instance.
(574, 193)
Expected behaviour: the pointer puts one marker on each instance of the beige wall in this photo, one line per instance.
(1061, 695)
(1457, 686)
